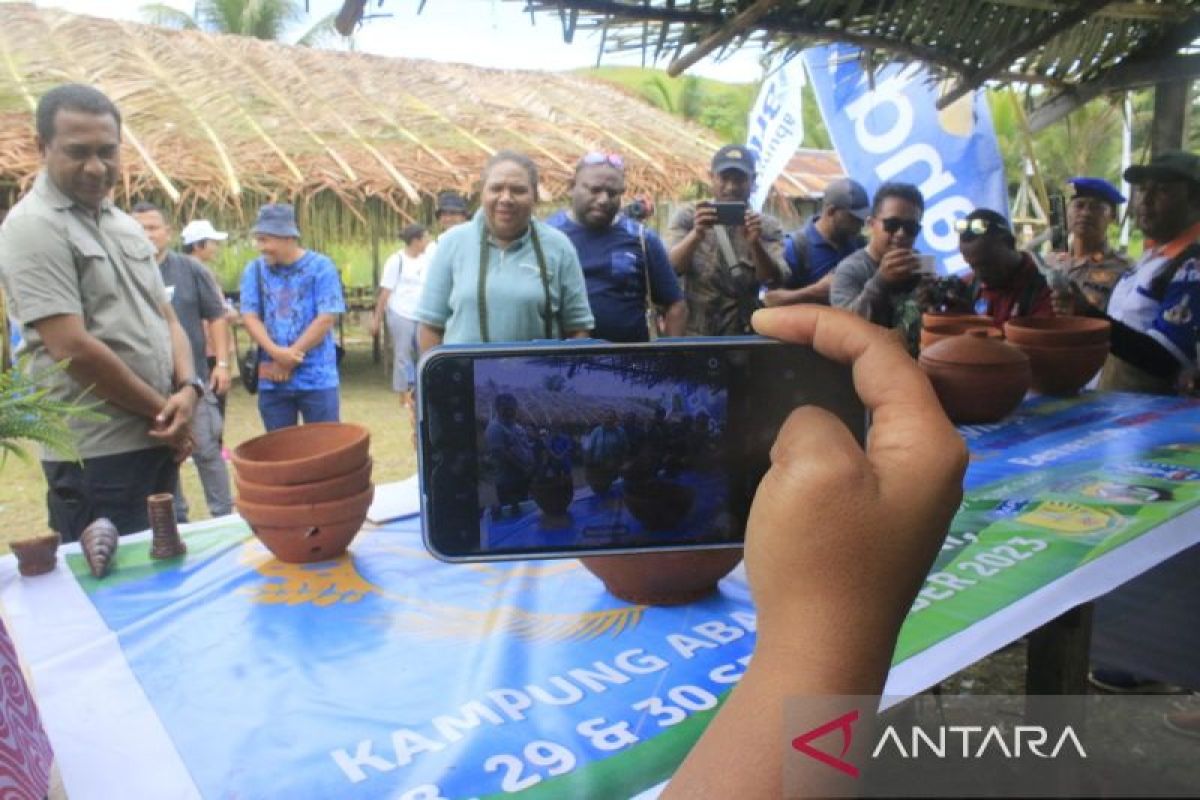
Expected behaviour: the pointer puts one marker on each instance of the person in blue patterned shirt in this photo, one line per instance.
(291, 298)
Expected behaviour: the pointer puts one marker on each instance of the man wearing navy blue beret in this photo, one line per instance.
(1090, 265)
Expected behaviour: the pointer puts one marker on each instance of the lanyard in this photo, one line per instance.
(484, 257)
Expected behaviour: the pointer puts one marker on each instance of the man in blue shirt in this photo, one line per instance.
(618, 256)
(813, 251)
(290, 301)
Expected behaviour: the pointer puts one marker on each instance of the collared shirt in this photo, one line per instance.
(721, 297)
(195, 298)
(1027, 296)
(295, 294)
(59, 258)
(516, 300)
(819, 258)
(404, 277)
(1095, 274)
(615, 266)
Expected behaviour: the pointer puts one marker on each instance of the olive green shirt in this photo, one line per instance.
(59, 258)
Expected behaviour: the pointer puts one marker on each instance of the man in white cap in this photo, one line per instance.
(202, 241)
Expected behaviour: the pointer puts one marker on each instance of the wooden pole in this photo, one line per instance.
(376, 348)
(1170, 116)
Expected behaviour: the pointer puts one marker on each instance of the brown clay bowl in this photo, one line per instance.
(301, 544)
(977, 379)
(302, 453)
(1057, 331)
(930, 318)
(36, 555)
(932, 334)
(1063, 371)
(663, 579)
(553, 496)
(307, 514)
(659, 505)
(599, 478)
(352, 483)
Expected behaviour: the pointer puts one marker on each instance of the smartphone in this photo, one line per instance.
(730, 212)
(927, 264)
(551, 450)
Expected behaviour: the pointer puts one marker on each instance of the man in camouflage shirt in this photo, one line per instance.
(724, 266)
(1090, 268)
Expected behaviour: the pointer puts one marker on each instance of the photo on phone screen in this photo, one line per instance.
(562, 450)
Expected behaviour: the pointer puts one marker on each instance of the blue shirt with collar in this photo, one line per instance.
(293, 296)
(615, 268)
(822, 256)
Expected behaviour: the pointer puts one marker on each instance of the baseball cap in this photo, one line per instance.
(200, 230)
(1098, 188)
(277, 219)
(1173, 165)
(850, 195)
(734, 156)
(450, 201)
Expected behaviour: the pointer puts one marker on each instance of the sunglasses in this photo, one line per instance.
(968, 229)
(893, 224)
(595, 158)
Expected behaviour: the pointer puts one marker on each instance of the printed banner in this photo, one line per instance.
(775, 127)
(388, 674)
(894, 132)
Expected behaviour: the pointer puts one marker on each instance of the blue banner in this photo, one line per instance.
(894, 132)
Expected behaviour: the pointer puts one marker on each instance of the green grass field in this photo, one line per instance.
(367, 399)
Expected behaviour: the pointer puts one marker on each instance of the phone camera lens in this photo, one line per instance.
(713, 363)
(456, 376)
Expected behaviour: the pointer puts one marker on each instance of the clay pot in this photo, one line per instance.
(932, 334)
(1063, 371)
(302, 453)
(554, 495)
(660, 506)
(977, 379)
(311, 532)
(352, 483)
(600, 477)
(931, 318)
(36, 555)
(663, 579)
(1057, 331)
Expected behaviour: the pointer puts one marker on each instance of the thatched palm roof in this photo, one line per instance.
(223, 122)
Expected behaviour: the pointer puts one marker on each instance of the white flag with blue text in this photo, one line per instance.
(775, 127)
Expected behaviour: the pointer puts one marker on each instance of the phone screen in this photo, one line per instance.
(566, 450)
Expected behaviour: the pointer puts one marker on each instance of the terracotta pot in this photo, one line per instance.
(599, 477)
(959, 318)
(1063, 371)
(307, 514)
(352, 483)
(302, 453)
(659, 505)
(1057, 331)
(301, 544)
(553, 496)
(663, 579)
(36, 555)
(978, 379)
(932, 334)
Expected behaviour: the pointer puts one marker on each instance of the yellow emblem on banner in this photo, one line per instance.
(1070, 519)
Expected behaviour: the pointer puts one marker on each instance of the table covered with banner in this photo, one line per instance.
(386, 673)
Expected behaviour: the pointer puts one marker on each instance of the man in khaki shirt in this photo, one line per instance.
(81, 277)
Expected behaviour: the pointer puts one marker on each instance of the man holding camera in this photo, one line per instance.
(725, 250)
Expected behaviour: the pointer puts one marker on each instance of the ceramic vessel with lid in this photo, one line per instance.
(978, 379)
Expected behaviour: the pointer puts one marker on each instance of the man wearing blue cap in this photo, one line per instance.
(1090, 265)
(291, 298)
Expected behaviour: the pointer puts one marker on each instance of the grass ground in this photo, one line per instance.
(367, 399)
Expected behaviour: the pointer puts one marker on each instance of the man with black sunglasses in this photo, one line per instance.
(879, 281)
(1004, 282)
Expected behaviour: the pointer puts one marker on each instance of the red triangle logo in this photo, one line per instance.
(842, 723)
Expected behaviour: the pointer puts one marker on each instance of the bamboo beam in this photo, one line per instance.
(740, 24)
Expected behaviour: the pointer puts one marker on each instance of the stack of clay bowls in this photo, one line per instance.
(936, 327)
(978, 378)
(305, 490)
(1064, 352)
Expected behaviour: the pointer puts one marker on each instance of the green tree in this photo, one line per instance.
(261, 19)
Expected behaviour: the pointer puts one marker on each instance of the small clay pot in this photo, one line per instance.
(36, 555)
(352, 483)
(931, 318)
(932, 334)
(1057, 331)
(977, 379)
(306, 514)
(664, 579)
(302, 544)
(1063, 371)
(661, 506)
(600, 477)
(302, 453)
(554, 495)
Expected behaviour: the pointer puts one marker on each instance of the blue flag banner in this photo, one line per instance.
(895, 132)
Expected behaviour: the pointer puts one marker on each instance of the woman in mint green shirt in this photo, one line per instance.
(504, 276)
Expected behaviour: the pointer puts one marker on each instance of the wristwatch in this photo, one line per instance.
(194, 383)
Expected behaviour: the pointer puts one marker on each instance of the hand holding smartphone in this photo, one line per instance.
(552, 450)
